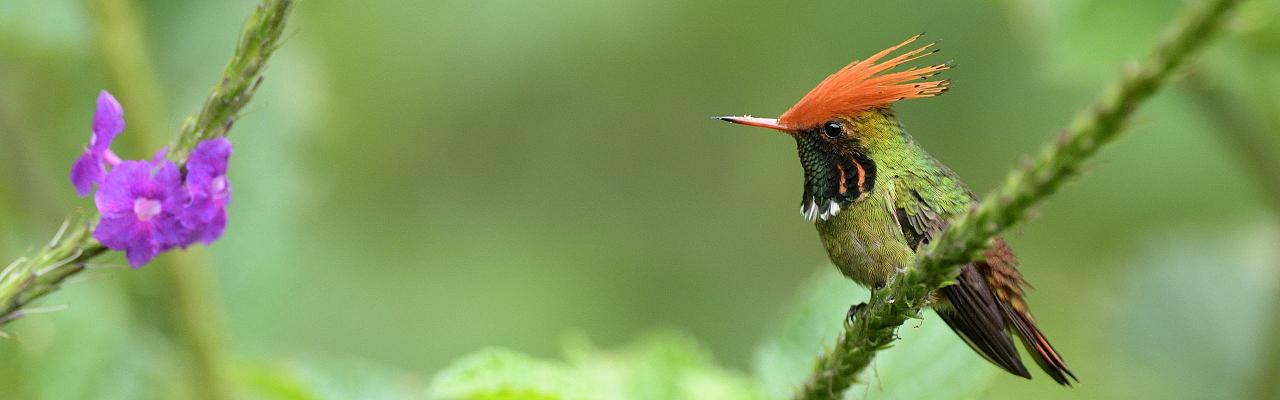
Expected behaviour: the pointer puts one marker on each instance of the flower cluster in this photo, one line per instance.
(151, 206)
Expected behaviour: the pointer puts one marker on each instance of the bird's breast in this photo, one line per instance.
(864, 241)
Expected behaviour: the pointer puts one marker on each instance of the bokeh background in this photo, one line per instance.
(420, 180)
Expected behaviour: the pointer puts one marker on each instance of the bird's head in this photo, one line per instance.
(842, 122)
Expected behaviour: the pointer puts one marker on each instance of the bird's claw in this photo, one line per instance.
(855, 311)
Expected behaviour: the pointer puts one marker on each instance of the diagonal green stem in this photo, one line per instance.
(30, 278)
(838, 368)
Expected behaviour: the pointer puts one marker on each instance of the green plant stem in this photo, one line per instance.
(21, 169)
(874, 328)
(195, 320)
(119, 33)
(192, 312)
(29, 278)
(240, 80)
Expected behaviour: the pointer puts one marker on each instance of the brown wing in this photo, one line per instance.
(986, 303)
(971, 310)
(1000, 270)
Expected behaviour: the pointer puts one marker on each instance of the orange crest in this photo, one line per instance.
(862, 85)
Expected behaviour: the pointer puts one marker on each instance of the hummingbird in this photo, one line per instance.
(876, 198)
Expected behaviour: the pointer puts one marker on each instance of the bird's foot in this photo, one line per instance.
(855, 311)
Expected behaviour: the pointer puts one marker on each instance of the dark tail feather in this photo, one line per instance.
(971, 310)
(1038, 345)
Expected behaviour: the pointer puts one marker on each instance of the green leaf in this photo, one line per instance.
(505, 374)
(273, 382)
(313, 380)
(929, 361)
(665, 365)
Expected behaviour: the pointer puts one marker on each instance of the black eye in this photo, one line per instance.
(833, 130)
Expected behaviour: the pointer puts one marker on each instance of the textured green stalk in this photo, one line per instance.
(29, 278)
(874, 327)
(195, 320)
(240, 79)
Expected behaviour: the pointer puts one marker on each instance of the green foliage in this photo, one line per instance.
(659, 366)
(931, 363)
(327, 380)
(505, 374)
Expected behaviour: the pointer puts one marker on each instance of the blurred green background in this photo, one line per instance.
(420, 180)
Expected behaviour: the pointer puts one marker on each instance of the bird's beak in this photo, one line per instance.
(757, 122)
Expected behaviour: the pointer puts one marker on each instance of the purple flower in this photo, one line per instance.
(86, 172)
(89, 169)
(140, 202)
(208, 189)
(149, 207)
